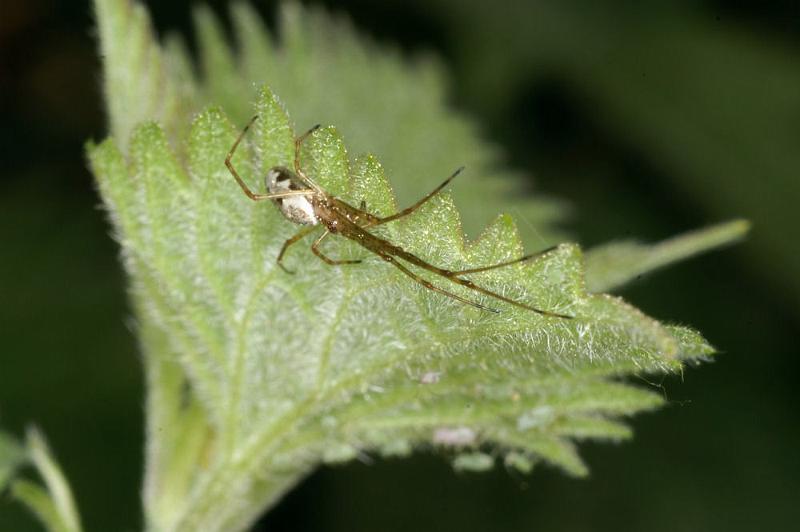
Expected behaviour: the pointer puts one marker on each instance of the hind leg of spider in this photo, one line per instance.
(503, 264)
(454, 277)
(328, 260)
(302, 233)
(427, 284)
(417, 205)
(472, 286)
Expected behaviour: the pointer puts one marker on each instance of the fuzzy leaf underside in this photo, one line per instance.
(287, 371)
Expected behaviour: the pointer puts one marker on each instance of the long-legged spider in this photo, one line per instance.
(305, 203)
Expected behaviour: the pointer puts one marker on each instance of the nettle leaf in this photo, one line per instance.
(264, 374)
(612, 265)
(52, 503)
(254, 375)
(12, 457)
(325, 73)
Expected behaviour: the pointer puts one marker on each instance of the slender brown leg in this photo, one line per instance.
(298, 142)
(364, 218)
(502, 264)
(453, 276)
(328, 260)
(409, 210)
(250, 194)
(390, 253)
(391, 260)
(472, 286)
(302, 233)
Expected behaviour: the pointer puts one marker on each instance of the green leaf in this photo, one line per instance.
(475, 462)
(12, 457)
(324, 72)
(287, 371)
(40, 503)
(53, 506)
(724, 141)
(255, 376)
(58, 489)
(612, 265)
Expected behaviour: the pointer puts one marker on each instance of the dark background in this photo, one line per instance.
(568, 89)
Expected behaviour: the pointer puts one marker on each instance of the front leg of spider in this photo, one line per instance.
(249, 193)
(289, 192)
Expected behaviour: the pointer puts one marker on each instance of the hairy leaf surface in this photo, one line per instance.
(290, 370)
(255, 376)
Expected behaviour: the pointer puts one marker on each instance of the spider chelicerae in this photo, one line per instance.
(305, 203)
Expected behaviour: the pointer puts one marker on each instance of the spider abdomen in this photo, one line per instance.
(297, 209)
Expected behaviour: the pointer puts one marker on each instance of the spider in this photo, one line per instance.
(305, 203)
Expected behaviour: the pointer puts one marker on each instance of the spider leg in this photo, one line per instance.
(328, 260)
(390, 253)
(364, 218)
(298, 142)
(250, 194)
(472, 286)
(454, 277)
(358, 216)
(502, 264)
(427, 284)
(409, 210)
(302, 233)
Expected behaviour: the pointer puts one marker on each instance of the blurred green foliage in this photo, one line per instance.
(708, 101)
